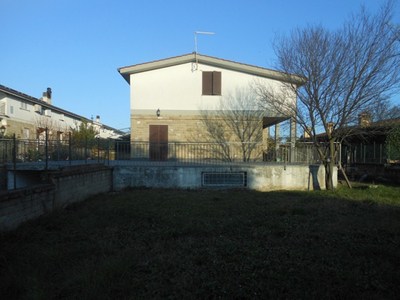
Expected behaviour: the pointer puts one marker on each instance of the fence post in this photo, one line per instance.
(176, 158)
(365, 151)
(46, 150)
(14, 154)
(374, 152)
(116, 145)
(58, 150)
(86, 157)
(108, 151)
(70, 148)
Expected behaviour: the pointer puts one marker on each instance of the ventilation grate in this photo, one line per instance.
(238, 179)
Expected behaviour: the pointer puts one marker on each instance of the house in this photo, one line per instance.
(167, 95)
(27, 117)
(371, 142)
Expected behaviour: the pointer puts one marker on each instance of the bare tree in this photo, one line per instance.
(383, 111)
(349, 71)
(237, 119)
(54, 129)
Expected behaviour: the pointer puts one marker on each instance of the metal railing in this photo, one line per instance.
(111, 152)
(371, 153)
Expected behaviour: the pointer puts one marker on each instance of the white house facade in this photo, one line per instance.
(27, 117)
(171, 92)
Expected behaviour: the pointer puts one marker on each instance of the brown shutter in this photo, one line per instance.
(216, 83)
(207, 83)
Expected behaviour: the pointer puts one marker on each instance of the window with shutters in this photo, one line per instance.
(212, 83)
(2, 108)
(24, 105)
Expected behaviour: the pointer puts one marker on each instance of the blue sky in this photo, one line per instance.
(76, 46)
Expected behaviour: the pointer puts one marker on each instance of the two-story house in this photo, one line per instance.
(27, 117)
(166, 96)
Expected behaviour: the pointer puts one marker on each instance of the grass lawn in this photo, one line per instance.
(208, 244)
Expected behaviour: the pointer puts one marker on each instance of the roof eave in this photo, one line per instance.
(208, 60)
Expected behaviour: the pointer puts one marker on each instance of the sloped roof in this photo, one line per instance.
(208, 60)
(34, 100)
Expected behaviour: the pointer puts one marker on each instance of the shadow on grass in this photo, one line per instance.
(207, 244)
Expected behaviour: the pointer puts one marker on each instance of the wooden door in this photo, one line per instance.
(158, 142)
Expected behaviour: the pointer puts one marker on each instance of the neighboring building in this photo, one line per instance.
(27, 117)
(370, 142)
(167, 95)
(366, 142)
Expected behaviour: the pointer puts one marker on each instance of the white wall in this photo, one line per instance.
(263, 177)
(180, 88)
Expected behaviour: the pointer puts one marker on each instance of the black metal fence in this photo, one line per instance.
(64, 152)
(370, 153)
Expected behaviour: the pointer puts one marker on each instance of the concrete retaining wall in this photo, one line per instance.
(76, 183)
(70, 184)
(260, 177)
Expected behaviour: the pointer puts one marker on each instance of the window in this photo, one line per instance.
(41, 133)
(11, 109)
(2, 108)
(26, 134)
(212, 83)
(60, 135)
(24, 105)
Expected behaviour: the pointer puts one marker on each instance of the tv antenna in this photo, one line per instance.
(195, 43)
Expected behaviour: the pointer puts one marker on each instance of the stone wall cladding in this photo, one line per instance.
(18, 128)
(76, 183)
(181, 128)
(70, 184)
(17, 206)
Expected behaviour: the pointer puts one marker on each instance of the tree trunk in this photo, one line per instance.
(328, 176)
(329, 166)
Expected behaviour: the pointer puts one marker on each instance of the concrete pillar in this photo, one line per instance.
(265, 138)
(292, 139)
(277, 154)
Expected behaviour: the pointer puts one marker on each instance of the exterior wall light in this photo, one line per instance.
(158, 113)
(2, 131)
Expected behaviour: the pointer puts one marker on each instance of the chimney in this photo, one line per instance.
(364, 119)
(307, 133)
(330, 127)
(48, 92)
(47, 96)
(98, 119)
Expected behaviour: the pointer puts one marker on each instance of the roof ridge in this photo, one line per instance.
(157, 60)
(18, 93)
(201, 55)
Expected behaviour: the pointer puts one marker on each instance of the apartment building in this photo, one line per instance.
(27, 117)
